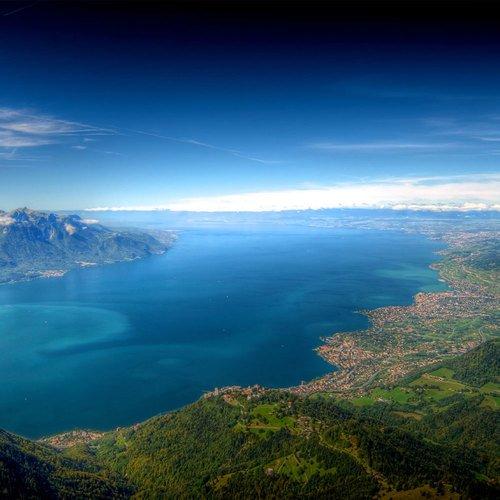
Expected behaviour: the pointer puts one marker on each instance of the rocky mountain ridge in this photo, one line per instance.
(45, 244)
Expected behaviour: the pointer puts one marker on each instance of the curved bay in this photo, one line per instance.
(113, 345)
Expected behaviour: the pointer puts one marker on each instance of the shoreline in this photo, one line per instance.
(364, 360)
(60, 273)
(402, 339)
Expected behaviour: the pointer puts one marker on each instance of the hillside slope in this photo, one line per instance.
(431, 434)
(272, 443)
(32, 470)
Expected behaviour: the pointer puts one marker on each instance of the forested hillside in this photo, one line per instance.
(33, 470)
(431, 434)
(274, 443)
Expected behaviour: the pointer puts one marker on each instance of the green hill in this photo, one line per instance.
(479, 366)
(32, 470)
(280, 445)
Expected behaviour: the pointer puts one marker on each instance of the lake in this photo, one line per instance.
(111, 346)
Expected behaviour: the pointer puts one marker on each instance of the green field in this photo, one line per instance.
(428, 389)
(299, 469)
(265, 419)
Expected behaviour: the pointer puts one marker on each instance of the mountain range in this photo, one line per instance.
(42, 244)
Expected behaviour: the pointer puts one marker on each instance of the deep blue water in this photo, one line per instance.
(111, 346)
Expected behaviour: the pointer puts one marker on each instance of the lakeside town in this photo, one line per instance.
(404, 339)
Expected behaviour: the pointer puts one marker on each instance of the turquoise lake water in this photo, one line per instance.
(111, 346)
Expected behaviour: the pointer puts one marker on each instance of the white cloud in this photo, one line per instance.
(6, 220)
(489, 139)
(379, 146)
(12, 155)
(11, 140)
(41, 126)
(474, 192)
(486, 129)
(6, 113)
(23, 129)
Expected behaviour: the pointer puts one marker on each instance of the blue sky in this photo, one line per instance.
(178, 107)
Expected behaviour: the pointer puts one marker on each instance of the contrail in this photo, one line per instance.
(194, 142)
(19, 9)
(76, 128)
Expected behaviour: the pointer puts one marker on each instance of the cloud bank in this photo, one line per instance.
(463, 193)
